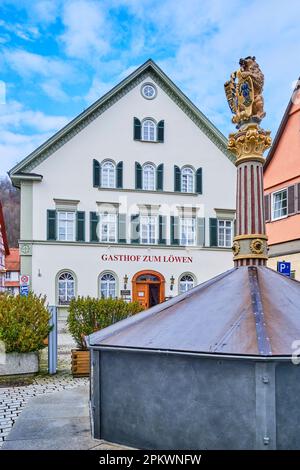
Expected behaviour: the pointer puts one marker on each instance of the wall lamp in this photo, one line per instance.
(172, 280)
(125, 281)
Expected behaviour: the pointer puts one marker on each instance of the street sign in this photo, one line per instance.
(24, 290)
(24, 280)
(284, 267)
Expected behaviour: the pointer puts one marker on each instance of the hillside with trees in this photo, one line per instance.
(10, 199)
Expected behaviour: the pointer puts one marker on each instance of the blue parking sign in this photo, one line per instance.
(284, 267)
(24, 290)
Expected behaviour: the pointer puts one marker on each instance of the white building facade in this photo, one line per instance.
(134, 198)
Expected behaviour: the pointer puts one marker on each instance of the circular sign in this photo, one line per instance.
(24, 279)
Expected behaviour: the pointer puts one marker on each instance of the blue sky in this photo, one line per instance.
(57, 57)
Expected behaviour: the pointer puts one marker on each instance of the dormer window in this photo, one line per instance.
(149, 130)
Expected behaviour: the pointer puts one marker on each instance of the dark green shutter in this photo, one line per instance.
(120, 175)
(291, 209)
(199, 181)
(174, 230)
(160, 131)
(160, 177)
(162, 236)
(122, 226)
(80, 226)
(213, 231)
(200, 231)
(135, 228)
(96, 174)
(177, 178)
(138, 176)
(51, 224)
(94, 218)
(137, 129)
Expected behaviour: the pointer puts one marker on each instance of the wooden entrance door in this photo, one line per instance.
(148, 288)
(142, 295)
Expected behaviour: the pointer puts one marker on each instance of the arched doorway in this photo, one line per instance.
(148, 288)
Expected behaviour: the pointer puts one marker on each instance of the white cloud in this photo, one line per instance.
(14, 115)
(54, 90)
(97, 89)
(28, 64)
(15, 146)
(86, 29)
(22, 130)
(46, 11)
(23, 31)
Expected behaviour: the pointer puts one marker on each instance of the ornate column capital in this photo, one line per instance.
(249, 143)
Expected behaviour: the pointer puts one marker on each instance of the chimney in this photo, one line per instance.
(244, 96)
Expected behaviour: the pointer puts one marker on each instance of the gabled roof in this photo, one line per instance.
(116, 93)
(281, 127)
(3, 231)
(12, 262)
(244, 311)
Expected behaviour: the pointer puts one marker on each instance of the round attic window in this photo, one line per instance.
(149, 91)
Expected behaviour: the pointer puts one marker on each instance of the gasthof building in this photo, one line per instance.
(134, 198)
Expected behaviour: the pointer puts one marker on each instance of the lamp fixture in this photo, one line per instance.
(172, 280)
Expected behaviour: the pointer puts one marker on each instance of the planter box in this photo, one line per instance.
(80, 363)
(20, 363)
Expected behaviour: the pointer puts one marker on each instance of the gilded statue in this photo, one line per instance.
(244, 93)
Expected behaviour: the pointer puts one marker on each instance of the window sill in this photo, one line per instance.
(280, 218)
(148, 191)
(148, 141)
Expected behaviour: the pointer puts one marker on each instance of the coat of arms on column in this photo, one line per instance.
(244, 93)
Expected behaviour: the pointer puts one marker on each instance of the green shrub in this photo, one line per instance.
(87, 314)
(24, 322)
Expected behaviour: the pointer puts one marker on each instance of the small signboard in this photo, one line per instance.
(125, 292)
(24, 290)
(284, 267)
(24, 280)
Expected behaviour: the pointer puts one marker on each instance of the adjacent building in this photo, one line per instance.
(282, 190)
(12, 272)
(4, 250)
(134, 198)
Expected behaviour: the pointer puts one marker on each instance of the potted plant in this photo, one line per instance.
(87, 315)
(24, 323)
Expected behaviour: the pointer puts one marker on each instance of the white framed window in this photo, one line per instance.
(279, 204)
(187, 231)
(108, 287)
(108, 227)
(66, 288)
(149, 177)
(148, 227)
(149, 130)
(108, 175)
(66, 226)
(225, 233)
(148, 91)
(187, 180)
(186, 282)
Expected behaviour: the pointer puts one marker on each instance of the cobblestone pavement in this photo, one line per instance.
(14, 399)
